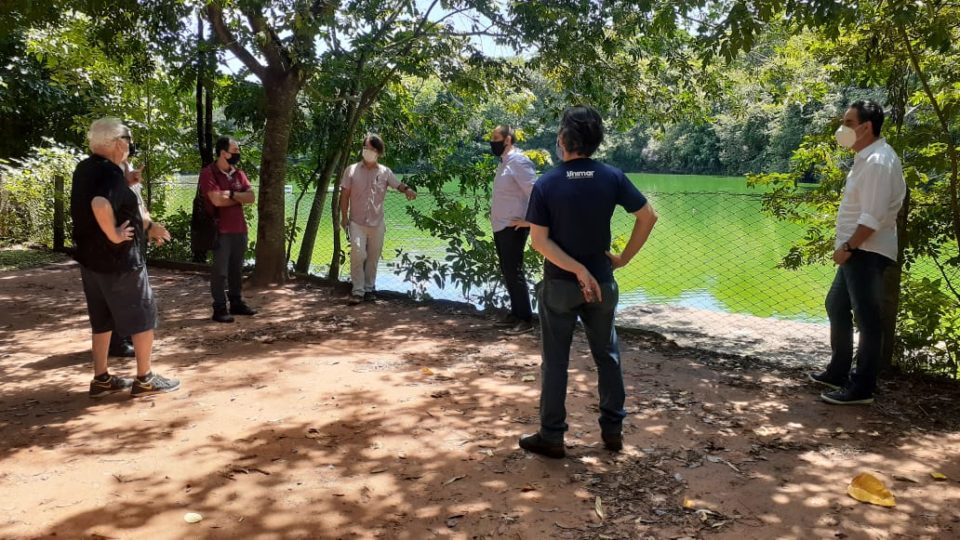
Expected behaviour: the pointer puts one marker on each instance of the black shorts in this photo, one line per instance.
(122, 302)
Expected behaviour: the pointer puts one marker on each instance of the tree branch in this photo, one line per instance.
(945, 131)
(269, 43)
(215, 15)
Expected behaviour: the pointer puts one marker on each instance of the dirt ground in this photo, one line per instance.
(400, 420)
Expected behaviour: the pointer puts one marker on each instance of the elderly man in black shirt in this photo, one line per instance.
(108, 230)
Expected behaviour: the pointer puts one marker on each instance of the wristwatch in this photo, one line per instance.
(846, 247)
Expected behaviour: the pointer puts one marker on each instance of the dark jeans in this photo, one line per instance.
(510, 245)
(560, 304)
(857, 290)
(227, 267)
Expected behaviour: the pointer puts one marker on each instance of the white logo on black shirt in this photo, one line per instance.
(579, 175)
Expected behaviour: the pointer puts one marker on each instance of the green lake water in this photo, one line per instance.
(712, 249)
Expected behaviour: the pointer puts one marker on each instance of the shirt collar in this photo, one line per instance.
(509, 155)
(870, 149)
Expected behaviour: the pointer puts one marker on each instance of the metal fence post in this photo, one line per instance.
(58, 214)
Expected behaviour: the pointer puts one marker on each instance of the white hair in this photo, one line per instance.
(104, 131)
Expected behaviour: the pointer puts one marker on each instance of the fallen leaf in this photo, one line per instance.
(426, 371)
(598, 506)
(192, 517)
(454, 519)
(528, 378)
(939, 477)
(869, 489)
(567, 527)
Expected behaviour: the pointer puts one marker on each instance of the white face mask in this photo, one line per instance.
(370, 156)
(846, 136)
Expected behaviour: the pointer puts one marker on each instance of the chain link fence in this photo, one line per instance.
(710, 275)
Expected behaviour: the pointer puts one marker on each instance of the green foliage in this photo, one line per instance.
(27, 193)
(178, 248)
(928, 329)
(21, 258)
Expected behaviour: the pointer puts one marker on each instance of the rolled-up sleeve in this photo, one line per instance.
(875, 194)
(392, 179)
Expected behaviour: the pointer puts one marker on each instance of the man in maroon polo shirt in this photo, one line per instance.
(226, 189)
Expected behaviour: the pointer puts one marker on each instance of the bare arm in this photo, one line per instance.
(540, 240)
(646, 219)
(344, 206)
(106, 219)
(221, 199)
(244, 197)
(840, 255)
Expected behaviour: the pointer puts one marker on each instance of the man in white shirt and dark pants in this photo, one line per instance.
(512, 185)
(866, 244)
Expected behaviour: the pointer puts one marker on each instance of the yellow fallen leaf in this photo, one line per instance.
(940, 477)
(687, 503)
(192, 517)
(598, 506)
(426, 371)
(528, 378)
(869, 489)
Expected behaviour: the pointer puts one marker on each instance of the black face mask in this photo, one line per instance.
(497, 147)
(132, 151)
(234, 159)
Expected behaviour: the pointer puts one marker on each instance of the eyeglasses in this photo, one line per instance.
(129, 138)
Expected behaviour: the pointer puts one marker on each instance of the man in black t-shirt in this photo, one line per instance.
(108, 230)
(569, 214)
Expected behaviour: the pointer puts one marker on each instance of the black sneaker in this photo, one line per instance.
(222, 315)
(154, 384)
(522, 327)
(826, 380)
(241, 308)
(846, 397)
(112, 385)
(355, 299)
(535, 443)
(370, 297)
(612, 441)
(507, 321)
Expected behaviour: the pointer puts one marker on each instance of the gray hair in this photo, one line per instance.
(104, 131)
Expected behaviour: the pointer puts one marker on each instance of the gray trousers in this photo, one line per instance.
(366, 246)
(227, 267)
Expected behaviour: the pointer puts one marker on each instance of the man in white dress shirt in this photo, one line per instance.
(865, 245)
(512, 185)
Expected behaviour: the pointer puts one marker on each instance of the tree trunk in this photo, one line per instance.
(204, 107)
(308, 242)
(281, 89)
(891, 296)
(59, 215)
(334, 274)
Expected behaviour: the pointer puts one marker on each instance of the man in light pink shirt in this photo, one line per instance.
(363, 188)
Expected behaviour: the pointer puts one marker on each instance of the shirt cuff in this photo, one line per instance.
(868, 221)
